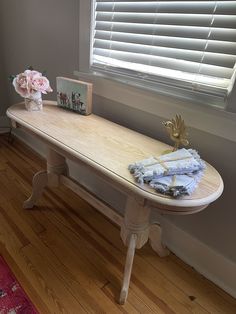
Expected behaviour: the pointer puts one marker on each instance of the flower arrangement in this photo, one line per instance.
(31, 85)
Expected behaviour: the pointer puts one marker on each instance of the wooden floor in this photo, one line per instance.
(69, 258)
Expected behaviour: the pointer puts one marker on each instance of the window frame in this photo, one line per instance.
(200, 111)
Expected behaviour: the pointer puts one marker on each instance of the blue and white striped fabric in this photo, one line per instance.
(174, 174)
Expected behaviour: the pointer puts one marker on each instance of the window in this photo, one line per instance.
(188, 45)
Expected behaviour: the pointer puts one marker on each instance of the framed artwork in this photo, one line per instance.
(74, 95)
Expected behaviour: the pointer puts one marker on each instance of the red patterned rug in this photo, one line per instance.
(13, 299)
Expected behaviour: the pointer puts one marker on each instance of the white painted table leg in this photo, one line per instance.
(40, 180)
(155, 238)
(128, 268)
(134, 233)
(56, 165)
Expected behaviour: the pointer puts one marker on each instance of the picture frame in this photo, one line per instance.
(74, 95)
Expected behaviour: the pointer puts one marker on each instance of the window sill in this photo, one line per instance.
(210, 119)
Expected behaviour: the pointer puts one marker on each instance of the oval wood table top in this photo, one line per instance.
(110, 148)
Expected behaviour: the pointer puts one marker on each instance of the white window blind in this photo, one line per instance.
(187, 44)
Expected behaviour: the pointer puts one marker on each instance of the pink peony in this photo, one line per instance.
(41, 84)
(21, 84)
(30, 82)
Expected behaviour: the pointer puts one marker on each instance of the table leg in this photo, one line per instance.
(40, 180)
(56, 165)
(134, 233)
(128, 268)
(155, 238)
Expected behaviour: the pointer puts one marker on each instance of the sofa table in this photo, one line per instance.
(107, 149)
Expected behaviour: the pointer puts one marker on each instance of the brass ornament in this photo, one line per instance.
(176, 129)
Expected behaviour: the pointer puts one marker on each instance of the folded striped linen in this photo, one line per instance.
(177, 185)
(174, 174)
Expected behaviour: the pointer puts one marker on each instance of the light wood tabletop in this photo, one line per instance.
(110, 148)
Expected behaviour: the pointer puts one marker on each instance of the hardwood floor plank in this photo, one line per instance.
(18, 150)
(91, 255)
(44, 274)
(20, 193)
(11, 250)
(109, 257)
(116, 255)
(199, 289)
(59, 239)
(74, 262)
(82, 270)
(135, 301)
(29, 289)
(60, 295)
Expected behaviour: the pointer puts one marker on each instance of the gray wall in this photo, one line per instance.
(45, 34)
(2, 87)
(3, 80)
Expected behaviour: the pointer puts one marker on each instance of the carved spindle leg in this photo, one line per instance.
(40, 180)
(128, 268)
(155, 238)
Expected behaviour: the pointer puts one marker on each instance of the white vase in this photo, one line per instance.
(34, 103)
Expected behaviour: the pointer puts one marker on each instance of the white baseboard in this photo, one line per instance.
(205, 260)
(195, 253)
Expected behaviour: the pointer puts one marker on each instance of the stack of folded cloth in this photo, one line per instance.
(173, 174)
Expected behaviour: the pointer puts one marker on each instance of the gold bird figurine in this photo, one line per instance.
(177, 131)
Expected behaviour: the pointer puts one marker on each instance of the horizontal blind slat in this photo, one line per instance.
(170, 30)
(171, 42)
(154, 6)
(198, 7)
(188, 55)
(159, 61)
(161, 1)
(169, 19)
